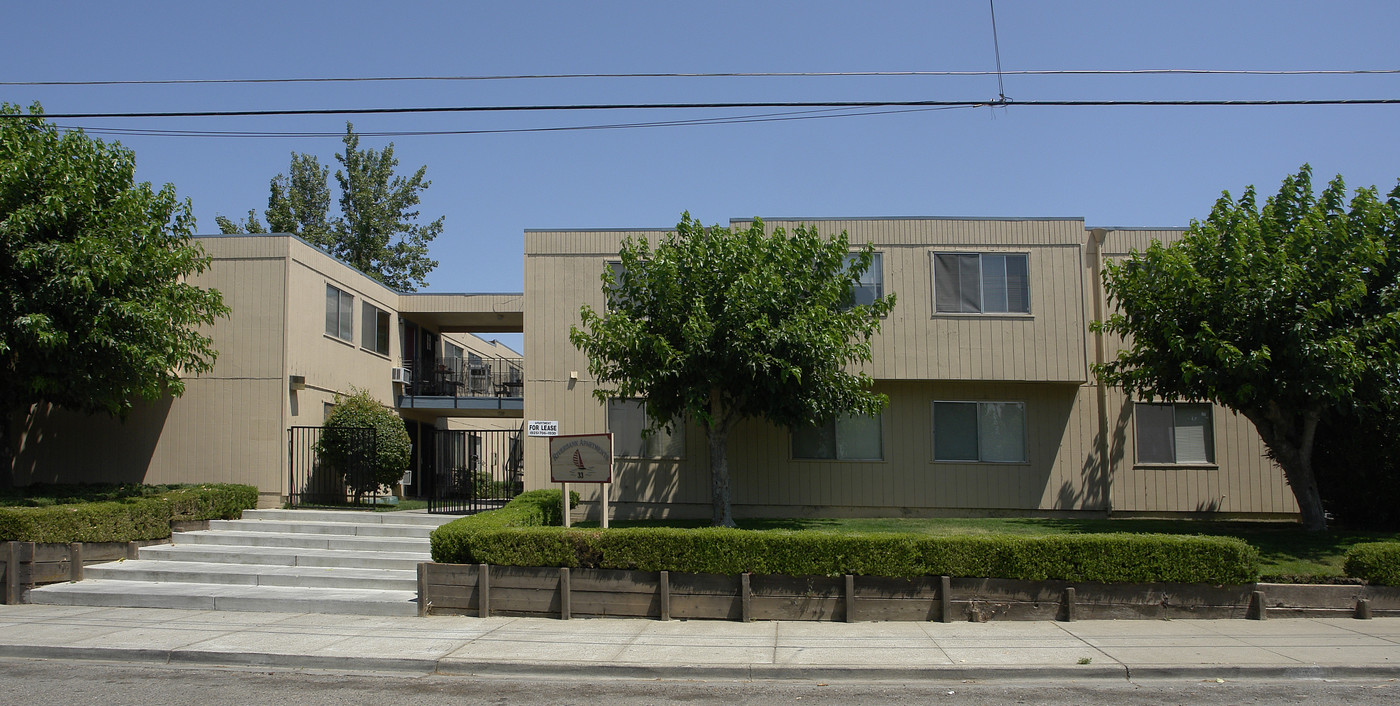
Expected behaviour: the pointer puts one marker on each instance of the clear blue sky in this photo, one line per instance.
(1134, 166)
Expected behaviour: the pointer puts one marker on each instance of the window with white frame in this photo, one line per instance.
(1174, 433)
(452, 355)
(847, 438)
(374, 328)
(872, 282)
(984, 432)
(340, 313)
(627, 420)
(981, 283)
(618, 273)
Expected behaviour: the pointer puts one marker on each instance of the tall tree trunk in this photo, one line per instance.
(1291, 438)
(717, 434)
(719, 479)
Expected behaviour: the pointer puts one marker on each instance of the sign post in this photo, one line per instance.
(550, 429)
(581, 458)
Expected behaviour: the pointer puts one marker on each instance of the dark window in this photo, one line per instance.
(872, 282)
(991, 432)
(340, 313)
(627, 420)
(849, 438)
(971, 283)
(1174, 433)
(374, 328)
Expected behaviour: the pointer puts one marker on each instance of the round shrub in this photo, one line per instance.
(341, 444)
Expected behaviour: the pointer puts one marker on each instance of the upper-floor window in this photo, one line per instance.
(627, 420)
(374, 328)
(848, 438)
(340, 313)
(872, 282)
(452, 355)
(618, 273)
(991, 432)
(981, 283)
(1174, 433)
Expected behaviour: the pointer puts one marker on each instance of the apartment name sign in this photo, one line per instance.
(581, 458)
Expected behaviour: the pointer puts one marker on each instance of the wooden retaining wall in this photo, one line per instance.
(30, 564)
(484, 590)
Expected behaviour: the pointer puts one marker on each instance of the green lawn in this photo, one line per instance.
(1287, 553)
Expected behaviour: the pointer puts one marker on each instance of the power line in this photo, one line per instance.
(732, 74)
(701, 106)
(996, 48)
(728, 120)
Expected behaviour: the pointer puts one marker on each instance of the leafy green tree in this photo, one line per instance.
(339, 447)
(248, 225)
(377, 229)
(95, 304)
(721, 325)
(1285, 314)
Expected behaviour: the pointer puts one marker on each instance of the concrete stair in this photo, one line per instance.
(295, 561)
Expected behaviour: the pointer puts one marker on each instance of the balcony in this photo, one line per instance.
(461, 387)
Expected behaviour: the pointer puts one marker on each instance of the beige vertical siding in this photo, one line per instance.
(1079, 460)
(1241, 481)
(227, 427)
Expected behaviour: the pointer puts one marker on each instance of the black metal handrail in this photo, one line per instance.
(457, 377)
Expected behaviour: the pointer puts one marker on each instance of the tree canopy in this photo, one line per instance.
(1284, 314)
(95, 306)
(377, 228)
(720, 324)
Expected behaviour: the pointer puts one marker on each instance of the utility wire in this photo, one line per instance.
(698, 106)
(753, 74)
(730, 120)
(996, 48)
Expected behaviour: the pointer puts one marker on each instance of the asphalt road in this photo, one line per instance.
(55, 682)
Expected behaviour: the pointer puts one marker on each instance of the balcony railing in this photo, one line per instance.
(455, 377)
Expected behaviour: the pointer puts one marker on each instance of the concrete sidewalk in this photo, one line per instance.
(1197, 649)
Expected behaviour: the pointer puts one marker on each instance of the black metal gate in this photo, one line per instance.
(314, 481)
(471, 471)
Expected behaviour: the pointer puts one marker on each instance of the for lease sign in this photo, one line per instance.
(542, 428)
(581, 458)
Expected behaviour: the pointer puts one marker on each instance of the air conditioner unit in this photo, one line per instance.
(398, 375)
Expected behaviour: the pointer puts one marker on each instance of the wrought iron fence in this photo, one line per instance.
(315, 481)
(473, 471)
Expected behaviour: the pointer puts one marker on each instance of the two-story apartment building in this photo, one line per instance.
(303, 328)
(986, 360)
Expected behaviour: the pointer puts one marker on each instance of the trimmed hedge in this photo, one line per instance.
(531, 509)
(127, 519)
(1375, 562)
(515, 536)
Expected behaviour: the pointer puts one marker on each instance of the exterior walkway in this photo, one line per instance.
(1139, 649)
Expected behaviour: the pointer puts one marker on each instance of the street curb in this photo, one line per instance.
(448, 666)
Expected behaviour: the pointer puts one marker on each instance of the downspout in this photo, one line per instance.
(1097, 236)
(285, 418)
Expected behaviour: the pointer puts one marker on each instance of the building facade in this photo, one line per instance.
(303, 328)
(986, 359)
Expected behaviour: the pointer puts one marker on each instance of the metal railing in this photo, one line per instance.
(458, 377)
(473, 470)
(315, 481)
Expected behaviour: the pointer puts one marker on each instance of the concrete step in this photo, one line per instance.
(351, 516)
(205, 596)
(301, 540)
(253, 575)
(284, 556)
(315, 561)
(345, 528)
